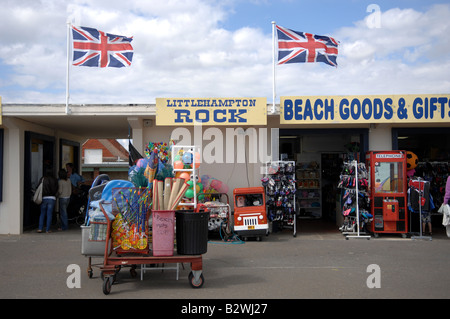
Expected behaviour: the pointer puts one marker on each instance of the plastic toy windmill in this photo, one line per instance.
(130, 227)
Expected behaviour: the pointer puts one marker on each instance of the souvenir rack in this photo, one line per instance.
(353, 181)
(280, 193)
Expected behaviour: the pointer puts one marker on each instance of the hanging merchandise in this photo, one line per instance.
(420, 201)
(156, 164)
(130, 227)
(279, 183)
(436, 173)
(355, 199)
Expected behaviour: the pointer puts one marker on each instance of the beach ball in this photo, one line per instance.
(411, 160)
(185, 175)
(187, 158)
(142, 162)
(199, 187)
(189, 193)
(198, 160)
(178, 165)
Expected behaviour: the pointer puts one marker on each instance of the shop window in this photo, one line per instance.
(93, 156)
(249, 200)
(69, 152)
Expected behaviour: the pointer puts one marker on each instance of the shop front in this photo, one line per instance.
(237, 137)
(322, 132)
(431, 145)
(38, 138)
(319, 155)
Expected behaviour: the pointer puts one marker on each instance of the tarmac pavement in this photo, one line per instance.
(316, 264)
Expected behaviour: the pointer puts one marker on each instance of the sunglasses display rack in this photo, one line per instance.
(279, 183)
(355, 200)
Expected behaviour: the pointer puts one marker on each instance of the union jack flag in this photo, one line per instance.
(301, 47)
(95, 48)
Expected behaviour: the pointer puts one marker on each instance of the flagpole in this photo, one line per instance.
(68, 67)
(273, 68)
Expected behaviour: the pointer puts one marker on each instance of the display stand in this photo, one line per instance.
(358, 233)
(421, 183)
(194, 171)
(280, 193)
(309, 188)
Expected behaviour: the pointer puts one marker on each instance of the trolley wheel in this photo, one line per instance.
(107, 282)
(196, 283)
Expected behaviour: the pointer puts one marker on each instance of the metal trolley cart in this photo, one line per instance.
(93, 232)
(139, 253)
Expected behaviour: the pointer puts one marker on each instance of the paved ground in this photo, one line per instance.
(314, 264)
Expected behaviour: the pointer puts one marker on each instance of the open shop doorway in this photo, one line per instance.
(318, 155)
(432, 148)
(39, 158)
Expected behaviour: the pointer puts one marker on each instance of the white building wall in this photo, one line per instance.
(380, 137)
(224, 156)
(11, 208)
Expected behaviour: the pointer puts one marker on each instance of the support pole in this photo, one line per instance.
(68, 67)
(273, 67)
(421, 188)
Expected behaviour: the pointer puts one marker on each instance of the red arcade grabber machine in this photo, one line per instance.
(388, 192)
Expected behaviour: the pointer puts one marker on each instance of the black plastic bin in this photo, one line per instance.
(192, 232)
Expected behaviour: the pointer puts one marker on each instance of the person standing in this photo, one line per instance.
(64, 192)
(76, 179)
(447, 191)
(446, 218)
(49, 192)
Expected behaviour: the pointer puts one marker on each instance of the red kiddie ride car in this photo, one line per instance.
(250, 217)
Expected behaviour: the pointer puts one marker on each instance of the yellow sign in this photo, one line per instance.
(211, 111)
(429, 108)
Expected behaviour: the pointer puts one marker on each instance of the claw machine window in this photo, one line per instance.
(388, 177)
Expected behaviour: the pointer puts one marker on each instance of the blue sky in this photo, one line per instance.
(205, 48)
(322, 16)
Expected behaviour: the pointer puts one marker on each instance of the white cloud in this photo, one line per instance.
(401, 56)
(181, 50)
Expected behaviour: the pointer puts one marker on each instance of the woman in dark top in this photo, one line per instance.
(49, 191)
